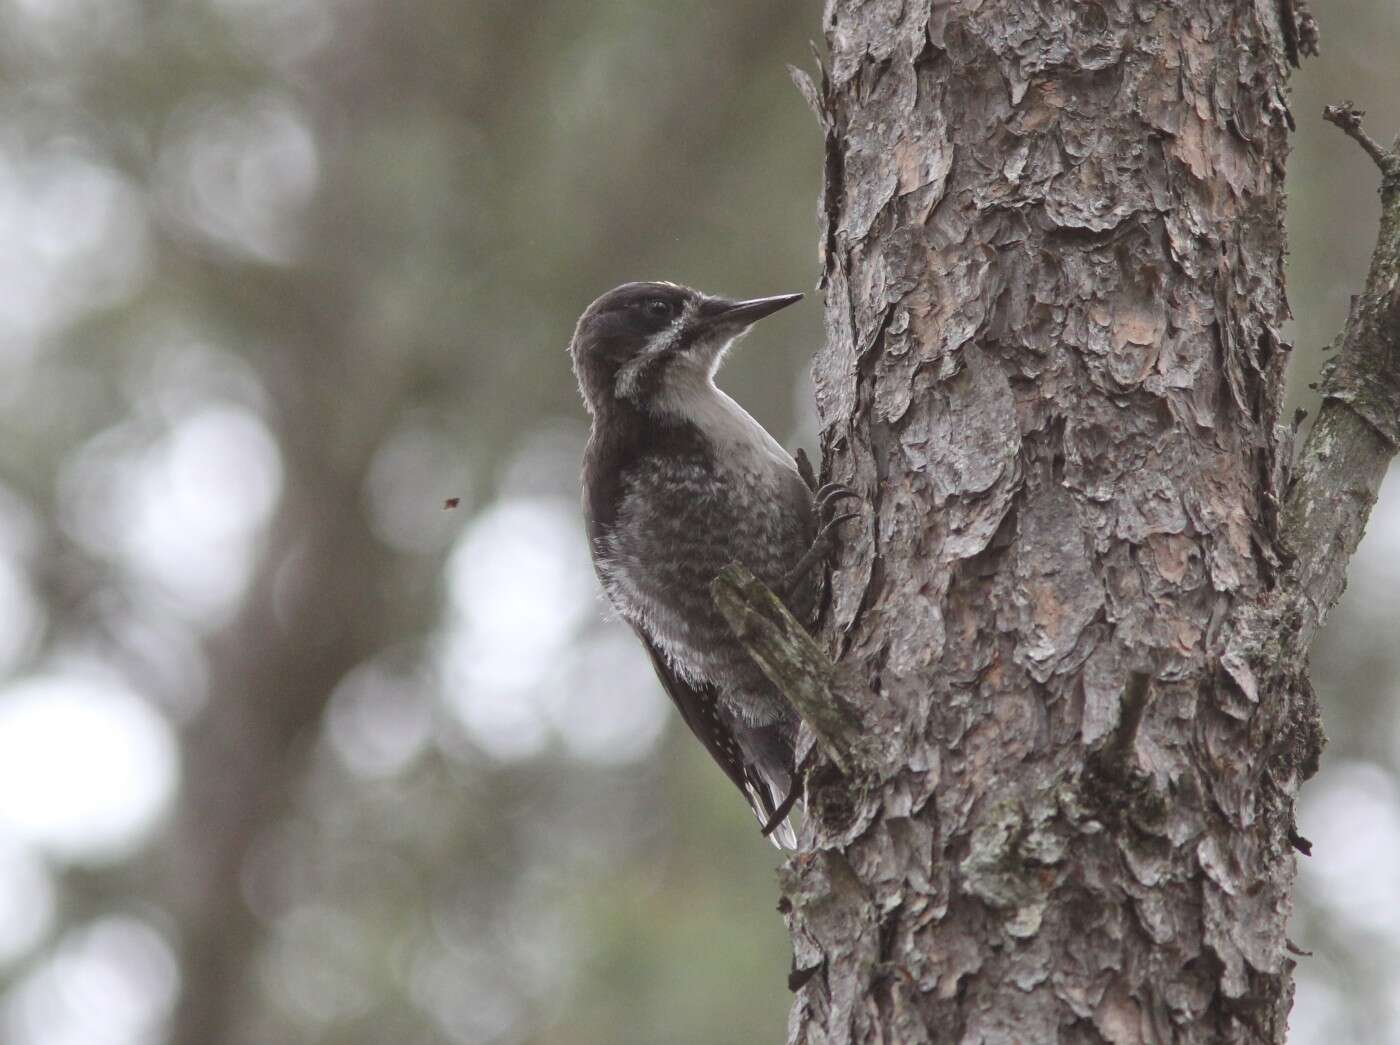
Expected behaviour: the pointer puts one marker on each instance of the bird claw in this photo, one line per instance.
(824, 534)
(822, 542)
(830, 492)
(825, 499)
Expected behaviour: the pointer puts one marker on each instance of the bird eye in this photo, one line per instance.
(660, 308)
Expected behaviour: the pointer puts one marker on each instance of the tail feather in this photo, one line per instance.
(758, 759)
(773, 815)
(770, 781)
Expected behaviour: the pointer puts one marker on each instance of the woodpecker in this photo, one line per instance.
(678, 482)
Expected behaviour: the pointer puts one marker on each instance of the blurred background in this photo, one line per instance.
(289, 753)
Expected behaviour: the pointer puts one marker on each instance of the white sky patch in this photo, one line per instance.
(184, 513)
(164, 653)
(178, 372)
(75, 235)
(21, 616)
(1375, 570)
(1352, 816)
(379, 720)
(26, 900)
(72, 29)
(414, 471)
(519, 587)
(112, 982)
(320, 965)
(285, 33)
(20, 528)
(607, 704)
(1319, 1013)
(240, 174)
(471, 996)
(546, 461)
(86, 767)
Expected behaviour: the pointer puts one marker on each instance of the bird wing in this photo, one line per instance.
(701, 710)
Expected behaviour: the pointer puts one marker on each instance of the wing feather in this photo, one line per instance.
(700, 709)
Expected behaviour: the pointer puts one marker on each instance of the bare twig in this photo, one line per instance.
(824, 696)
(1348, 117)
(1357, 433)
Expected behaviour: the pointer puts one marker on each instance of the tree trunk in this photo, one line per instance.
(1053, 263)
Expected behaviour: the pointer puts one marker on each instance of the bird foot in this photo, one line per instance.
(821, 546)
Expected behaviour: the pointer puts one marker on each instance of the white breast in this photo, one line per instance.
(690, 394)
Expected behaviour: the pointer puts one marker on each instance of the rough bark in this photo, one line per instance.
(1053, 248)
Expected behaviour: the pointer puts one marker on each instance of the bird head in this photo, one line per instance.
(641, 343)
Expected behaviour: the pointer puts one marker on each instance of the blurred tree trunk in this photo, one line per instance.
(1053, 262)
(318, 605)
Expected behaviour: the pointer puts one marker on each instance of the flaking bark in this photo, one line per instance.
(1052, 249)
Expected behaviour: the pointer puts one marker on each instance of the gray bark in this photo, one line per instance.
(1081, 603)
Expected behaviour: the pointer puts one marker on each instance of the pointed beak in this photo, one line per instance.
(742, 314)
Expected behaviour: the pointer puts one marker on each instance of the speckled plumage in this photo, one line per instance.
(679, 482)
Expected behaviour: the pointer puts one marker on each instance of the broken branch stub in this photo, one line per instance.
(824, 695)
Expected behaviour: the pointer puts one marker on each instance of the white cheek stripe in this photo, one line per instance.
(629, 376)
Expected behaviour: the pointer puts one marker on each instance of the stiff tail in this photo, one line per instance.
(771, 784)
